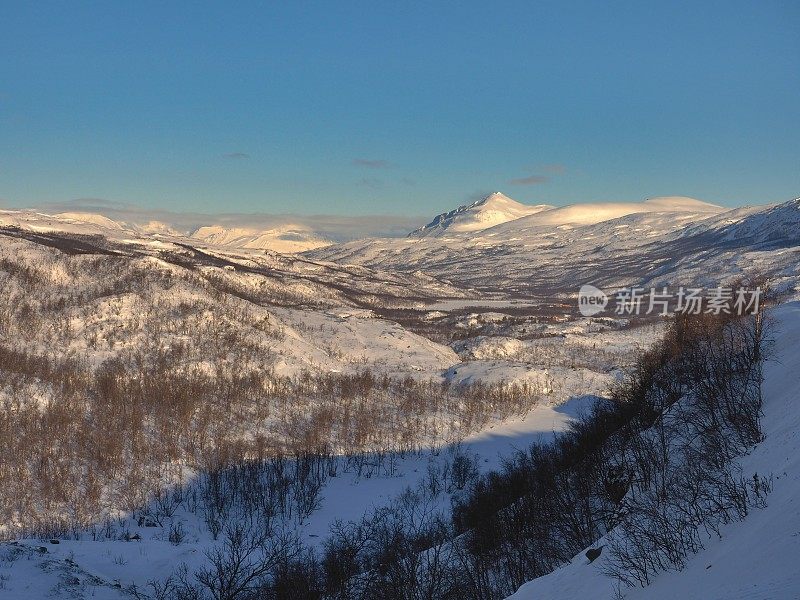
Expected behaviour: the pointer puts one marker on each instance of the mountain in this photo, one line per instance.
(656, 242)
(497, 210)
(494, 209)
(597, 212)
(69, 222)
(158, 228)
(286, 238)
(105, 224)
(94, 219)
(776, 226)
(283, 238)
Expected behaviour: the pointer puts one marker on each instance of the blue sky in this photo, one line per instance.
(397, 107)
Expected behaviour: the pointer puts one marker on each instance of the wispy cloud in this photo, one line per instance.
(370, 163)
(236, 155)
(371, 182)
(554, 169)
(530, 180)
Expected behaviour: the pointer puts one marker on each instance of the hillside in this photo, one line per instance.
(755, 558)
(286, 239)
(597, 212)
(690, 244)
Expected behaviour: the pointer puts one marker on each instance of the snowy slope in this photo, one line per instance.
(755, 558)
(74, 568)
(81, 217)
(596, 212)
(287, 239)
(494, 209)
(680, 242)
(93, 568)
(81, 223)
(497, 209)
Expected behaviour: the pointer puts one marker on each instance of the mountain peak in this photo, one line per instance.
(491, 210)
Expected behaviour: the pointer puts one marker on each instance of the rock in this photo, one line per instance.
(593, 553)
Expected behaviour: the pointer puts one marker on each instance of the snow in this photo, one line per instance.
(353, 340)
(753, 559)
(672, 241)
(345, 497)
(94, 219)
(286, 239)
(497, 209)
(494, 209)
(494, 244)
(596, 212)
(83, 223)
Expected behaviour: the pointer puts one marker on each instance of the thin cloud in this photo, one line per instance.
(89, 205)
(236, 155)
(371, 182)
(554, 169)
(530, 180)
(370, 163)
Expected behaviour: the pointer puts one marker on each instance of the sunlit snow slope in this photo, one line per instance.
(494, 209)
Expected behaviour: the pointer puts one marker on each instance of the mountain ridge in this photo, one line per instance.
(493, 209)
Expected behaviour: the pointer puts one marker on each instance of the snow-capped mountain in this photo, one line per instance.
(655, 241)
(94, 219)
(775, 226)
(494, 209)
(286, 238)
(597, 212)
(497, 209)
(83, 223)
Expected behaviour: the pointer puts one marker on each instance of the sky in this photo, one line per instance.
(396, 108)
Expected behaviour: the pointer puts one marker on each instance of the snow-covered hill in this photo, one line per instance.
(497, 209)
(596, 212)
(287, 239)
(79, 223)
(494, 209)
(656, 242)
(755, 558)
